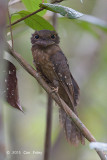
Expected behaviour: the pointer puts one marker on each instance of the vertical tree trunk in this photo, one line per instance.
(47, 146)
(3, 15)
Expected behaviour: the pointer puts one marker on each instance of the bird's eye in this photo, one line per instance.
(36, 36)
(53, 36)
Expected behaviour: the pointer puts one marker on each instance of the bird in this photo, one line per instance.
(53, 66)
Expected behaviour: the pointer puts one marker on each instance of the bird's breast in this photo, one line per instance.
(42, 59)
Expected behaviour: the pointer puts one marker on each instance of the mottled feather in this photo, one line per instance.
(52, 64)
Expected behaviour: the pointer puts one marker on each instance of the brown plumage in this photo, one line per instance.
(51, 63)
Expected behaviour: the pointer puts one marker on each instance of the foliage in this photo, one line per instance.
(70, 13)
(64, 11)
(36, 22)
(33, 5)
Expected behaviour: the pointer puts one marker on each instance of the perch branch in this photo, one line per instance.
(71, 114)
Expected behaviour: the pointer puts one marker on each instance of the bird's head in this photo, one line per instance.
(44, 38)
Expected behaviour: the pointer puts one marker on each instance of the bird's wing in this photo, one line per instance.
(69, 92)
(64, 76)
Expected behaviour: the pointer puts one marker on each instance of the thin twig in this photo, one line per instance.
(47, 146)
(10, 28)
(23, 18)
(70, 113)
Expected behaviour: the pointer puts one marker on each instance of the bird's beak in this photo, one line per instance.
(44, 43)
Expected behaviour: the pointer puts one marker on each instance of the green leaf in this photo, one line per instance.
(64, 11)
(87, 19)
(83, 20)
(15, 17)
(36, 22)
(33, 5)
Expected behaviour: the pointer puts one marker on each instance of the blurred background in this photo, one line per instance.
(86, 51)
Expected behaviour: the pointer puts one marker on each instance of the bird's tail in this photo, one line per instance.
(72, 132)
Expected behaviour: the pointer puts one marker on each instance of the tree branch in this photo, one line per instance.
(62, 104)
(23, 18)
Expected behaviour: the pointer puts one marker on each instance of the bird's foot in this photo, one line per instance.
(54, 89)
